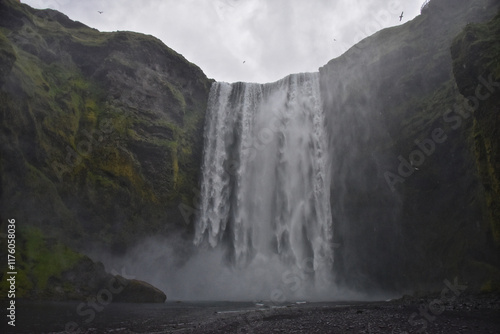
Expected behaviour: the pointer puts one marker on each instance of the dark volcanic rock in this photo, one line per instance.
(88, 279)
(136, 291)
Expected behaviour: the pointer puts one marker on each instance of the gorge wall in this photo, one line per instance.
(101, 132)
(393, 98)
(101, 139)
(101, 143)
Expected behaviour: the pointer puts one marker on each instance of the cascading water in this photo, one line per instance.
(265, 186)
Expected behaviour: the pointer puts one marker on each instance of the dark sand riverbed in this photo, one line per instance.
(471, 314)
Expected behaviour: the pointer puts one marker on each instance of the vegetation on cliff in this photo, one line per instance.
(101, 136)
(101, 132)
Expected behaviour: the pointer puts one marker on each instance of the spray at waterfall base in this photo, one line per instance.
(270, 214)
(264, 228)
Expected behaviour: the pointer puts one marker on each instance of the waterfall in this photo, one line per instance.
(265, 186)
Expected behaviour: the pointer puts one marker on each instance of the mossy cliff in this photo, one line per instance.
(407, 194)
(101, 140)
(101, 133)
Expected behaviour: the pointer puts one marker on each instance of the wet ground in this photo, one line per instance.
(470, 314)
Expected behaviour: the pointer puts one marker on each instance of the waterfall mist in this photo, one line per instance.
(264, 228)
(188, 273)
(265, 188)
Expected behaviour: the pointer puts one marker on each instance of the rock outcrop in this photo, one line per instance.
(88, 279)
(49, 270)
(136, 291)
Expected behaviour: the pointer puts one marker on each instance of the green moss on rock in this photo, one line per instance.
(100, 131)
(38, 260)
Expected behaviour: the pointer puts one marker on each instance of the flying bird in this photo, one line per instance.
(401, 16)
(100, 12)
(244, 61)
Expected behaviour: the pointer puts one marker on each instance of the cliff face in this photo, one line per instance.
(407, 199)
(101, 133)
(476, 68)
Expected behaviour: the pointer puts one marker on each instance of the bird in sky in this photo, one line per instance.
(244, 61)
(401, 16)
(100, 12)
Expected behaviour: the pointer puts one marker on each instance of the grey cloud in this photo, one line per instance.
(274, 37)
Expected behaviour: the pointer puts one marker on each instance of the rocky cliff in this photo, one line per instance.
(476, 67)
(407, 199)
(101, 133)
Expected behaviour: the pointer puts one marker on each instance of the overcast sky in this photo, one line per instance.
(245, 40)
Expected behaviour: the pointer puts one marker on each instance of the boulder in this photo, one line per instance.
(137, 291)
(89, 280)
